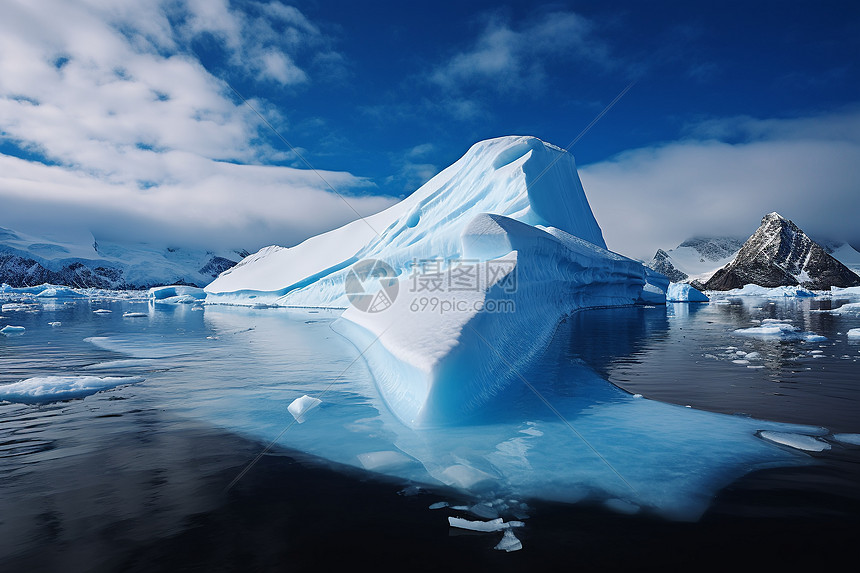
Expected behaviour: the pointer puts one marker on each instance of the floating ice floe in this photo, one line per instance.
(851, 439)
(774, 328)
(133, 314)
(769, 292)
(847, 291)
(850, 308)
(43, 389)
(102, 311)
(55, 323)
(854, 333)
(796, 441)
(301, 406)
(176, 294)
(509, 542)
(497, 524)
(683, 292)
(17, 307)
(11, 329)
(59, 292)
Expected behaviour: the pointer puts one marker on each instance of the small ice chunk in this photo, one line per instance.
(509, 542)
(376, 461)
(753, 356)
(301, 406)
(742, 361)
(812, 337)
(816, 351)
(11, 329)
(637, 395)
(768, 328)
(854, 333)
(102, 311)
(42, 389)
(483, 510)
(439, 505)
(133, 314)
(797, 441)
(464, 476)
(853, 439)
(497, 524)
(55, 324)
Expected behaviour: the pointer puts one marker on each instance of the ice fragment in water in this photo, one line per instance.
(497, 524)
(797, 441)
(301, 406)
(509, 542)
(853, 439)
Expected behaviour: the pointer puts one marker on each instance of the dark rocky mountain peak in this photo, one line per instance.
(779, 253)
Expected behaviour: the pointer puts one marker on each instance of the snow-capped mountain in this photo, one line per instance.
(844, 253)
(27, 260)
(697, 258)
(779, 253)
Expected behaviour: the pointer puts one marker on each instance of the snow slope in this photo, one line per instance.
(697, 258)
(82, 261)
(519, 177)
(847, 255)
(484, 261)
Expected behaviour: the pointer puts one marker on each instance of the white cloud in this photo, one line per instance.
(130, 134)
(805, 169)
(508, 58)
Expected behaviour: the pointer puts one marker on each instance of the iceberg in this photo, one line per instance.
(683, 292)
(176, 294)
(519, 177)
(461, 284)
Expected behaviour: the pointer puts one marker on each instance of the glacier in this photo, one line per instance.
(481, 264)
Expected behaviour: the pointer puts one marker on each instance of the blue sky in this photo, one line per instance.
(120, 116)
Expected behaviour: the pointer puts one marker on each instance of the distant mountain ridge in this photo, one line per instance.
(27, 260)
(696, 258)
(779, 253)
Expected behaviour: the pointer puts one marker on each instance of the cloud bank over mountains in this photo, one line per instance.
(110, 120)
(725, 176)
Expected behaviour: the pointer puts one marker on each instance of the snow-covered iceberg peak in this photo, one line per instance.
(460, 286)
(519, 177)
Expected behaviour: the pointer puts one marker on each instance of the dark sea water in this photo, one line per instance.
(138, 477)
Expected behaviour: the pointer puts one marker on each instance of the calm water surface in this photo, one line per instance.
(136, 477)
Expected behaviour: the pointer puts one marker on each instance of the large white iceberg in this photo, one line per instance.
(478, 267)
